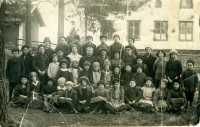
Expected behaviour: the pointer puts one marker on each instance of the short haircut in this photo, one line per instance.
(164, 54)
(89, 48)
(103, 36)
(61, 80)
(32, 74)
(63, 37)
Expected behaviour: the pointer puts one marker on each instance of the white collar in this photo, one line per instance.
(64, 69)
(35, 83)
(64, 88)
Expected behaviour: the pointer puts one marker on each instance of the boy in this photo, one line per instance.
(140, 77)
(85, 71)
(127, 76)
(129, 57)
(140, 64)
(131, 42)
(62, 45)
(116, 46)
(89, 43)
(40, 64)
(103, 40)
(173, 68)
(189, 81)
(53, 67)
(116, 73)
(132, 95)
(27, 59)
(14, 69)
(61, 54)
(74, 54)
(102, 55)
(89, 57)
(48, 50)
(149, 60)
(117, 61)
(76, 39)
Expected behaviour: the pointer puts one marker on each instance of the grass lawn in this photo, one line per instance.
(38, 118)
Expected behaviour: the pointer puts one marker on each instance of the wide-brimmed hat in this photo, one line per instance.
(101, 82)
(64, 61)
(83, 78)
(86, 63)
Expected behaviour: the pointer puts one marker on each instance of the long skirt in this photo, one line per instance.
(22, 102)
(115, 110)
(176, 103)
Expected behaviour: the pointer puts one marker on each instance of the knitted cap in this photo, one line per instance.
(103, 47)
(46, 39)
(89, 36)
(165, 81)
(41, 45)
(83, 78)
(86, 63)
(190, 61)
(149, 78)
(64, 61)
(25, 46)
(73, 45)
(139, 57)
(173, 51)
(69, 83)
(101, 82)
(60, 49)
(107, 62)
(116, 35)
(96, 64)
(103, 36)
(76, 37)
(148, 46)
(24, 76)
(15, 50)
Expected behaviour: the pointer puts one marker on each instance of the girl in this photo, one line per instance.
(84, 95)
(96, 76)
(46, 92)
(116, 103)
(160, 96)
(53, 67)
(141, 64)
(107, 73)
(22, 93)
(63, 45)
(35, 86)
(148, 90)
(64, 72)
(103, 50)
(74, 54)
(159, 67)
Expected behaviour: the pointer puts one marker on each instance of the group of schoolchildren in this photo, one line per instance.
(104, 79)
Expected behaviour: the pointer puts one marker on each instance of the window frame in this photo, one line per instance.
(192, 5)
(185, 34)
(138, 21)
(158, 21)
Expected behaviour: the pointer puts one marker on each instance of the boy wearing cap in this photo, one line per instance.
(53, 67)
(48, 50)
(27, 59)
(139, 76)
(63, 46)
(85, 72)
(173, 68)
(89, 43)
(89, 57)
(149, 60)
(117, 61)
(141, 65)
(74, 54)
(116, 46)
(103, 40)
(76, 39)
(131, 42)
(40, 64)
(189, 81)
(127, 76)
(129, 57)
(102, 55)
(14, 69)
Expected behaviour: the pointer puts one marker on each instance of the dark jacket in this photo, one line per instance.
(149, 61)
(126, 78)
(64, 48)
(66, 74)
(140, 79)
(35, 88)
(98, 53)
(129, 59)
(144, 68)
(79, 48)
(134, 50)
(40, 62)
(132, 94)
(21, 91)
(49, 52)
(15, 68)
(85, 73)
(84, 94)
(116, 47)
(46, 90)
(189, 80)
(100, 60)
(27, 63)
(91, 59)
(173, 69)
(84, 47)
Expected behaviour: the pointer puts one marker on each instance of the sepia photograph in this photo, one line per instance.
(71, 63)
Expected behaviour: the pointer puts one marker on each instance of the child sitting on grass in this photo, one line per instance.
(53, 67)
(35, 86)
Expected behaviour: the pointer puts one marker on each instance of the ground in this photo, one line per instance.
(38, 118)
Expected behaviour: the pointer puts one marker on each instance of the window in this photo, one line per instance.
(185, 31)
(133, 29)
(160, 31)
(158, 4)
(186, 4)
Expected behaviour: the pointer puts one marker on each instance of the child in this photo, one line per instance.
(116, 103)
(117, 61)
(129, 57)
(116, 46)
(76, 39)
(89, 43)
(89, 57)
(85, 72)
(69, 98)
(61, 55)
(103, 40)
(64, 72)
(173, 68)
(147, 92)
(53, 67)
(116, 73)
(142, 65)
(100, 97)
(74, 55)
(131, 42)
(40, 64)
(27, 59)
(132, 95)
(159, 67)
(160, 96)
(14, 69)
(63, 45)
(189, 81)
(127, 76)
(107, 73)
(46, 92)
(176, 98)
(35, 86)
(102, 55)
(84, 95)
(140, 77)
(149, 60)
(48, 50)
(96, 76)
(22, 93)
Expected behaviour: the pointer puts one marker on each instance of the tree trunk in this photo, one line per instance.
(3, 108)
(28, 23)
(61, 18)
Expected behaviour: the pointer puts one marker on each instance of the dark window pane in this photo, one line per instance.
(137, 30)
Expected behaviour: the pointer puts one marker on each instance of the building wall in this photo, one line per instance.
(11, 34)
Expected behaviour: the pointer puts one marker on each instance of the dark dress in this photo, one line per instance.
(64, 48)
(84, 47)
(66, 74)
(116, 46)
(126, 78)
(49, 52)
(149, 61)
(27, 61)
(91, 59)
